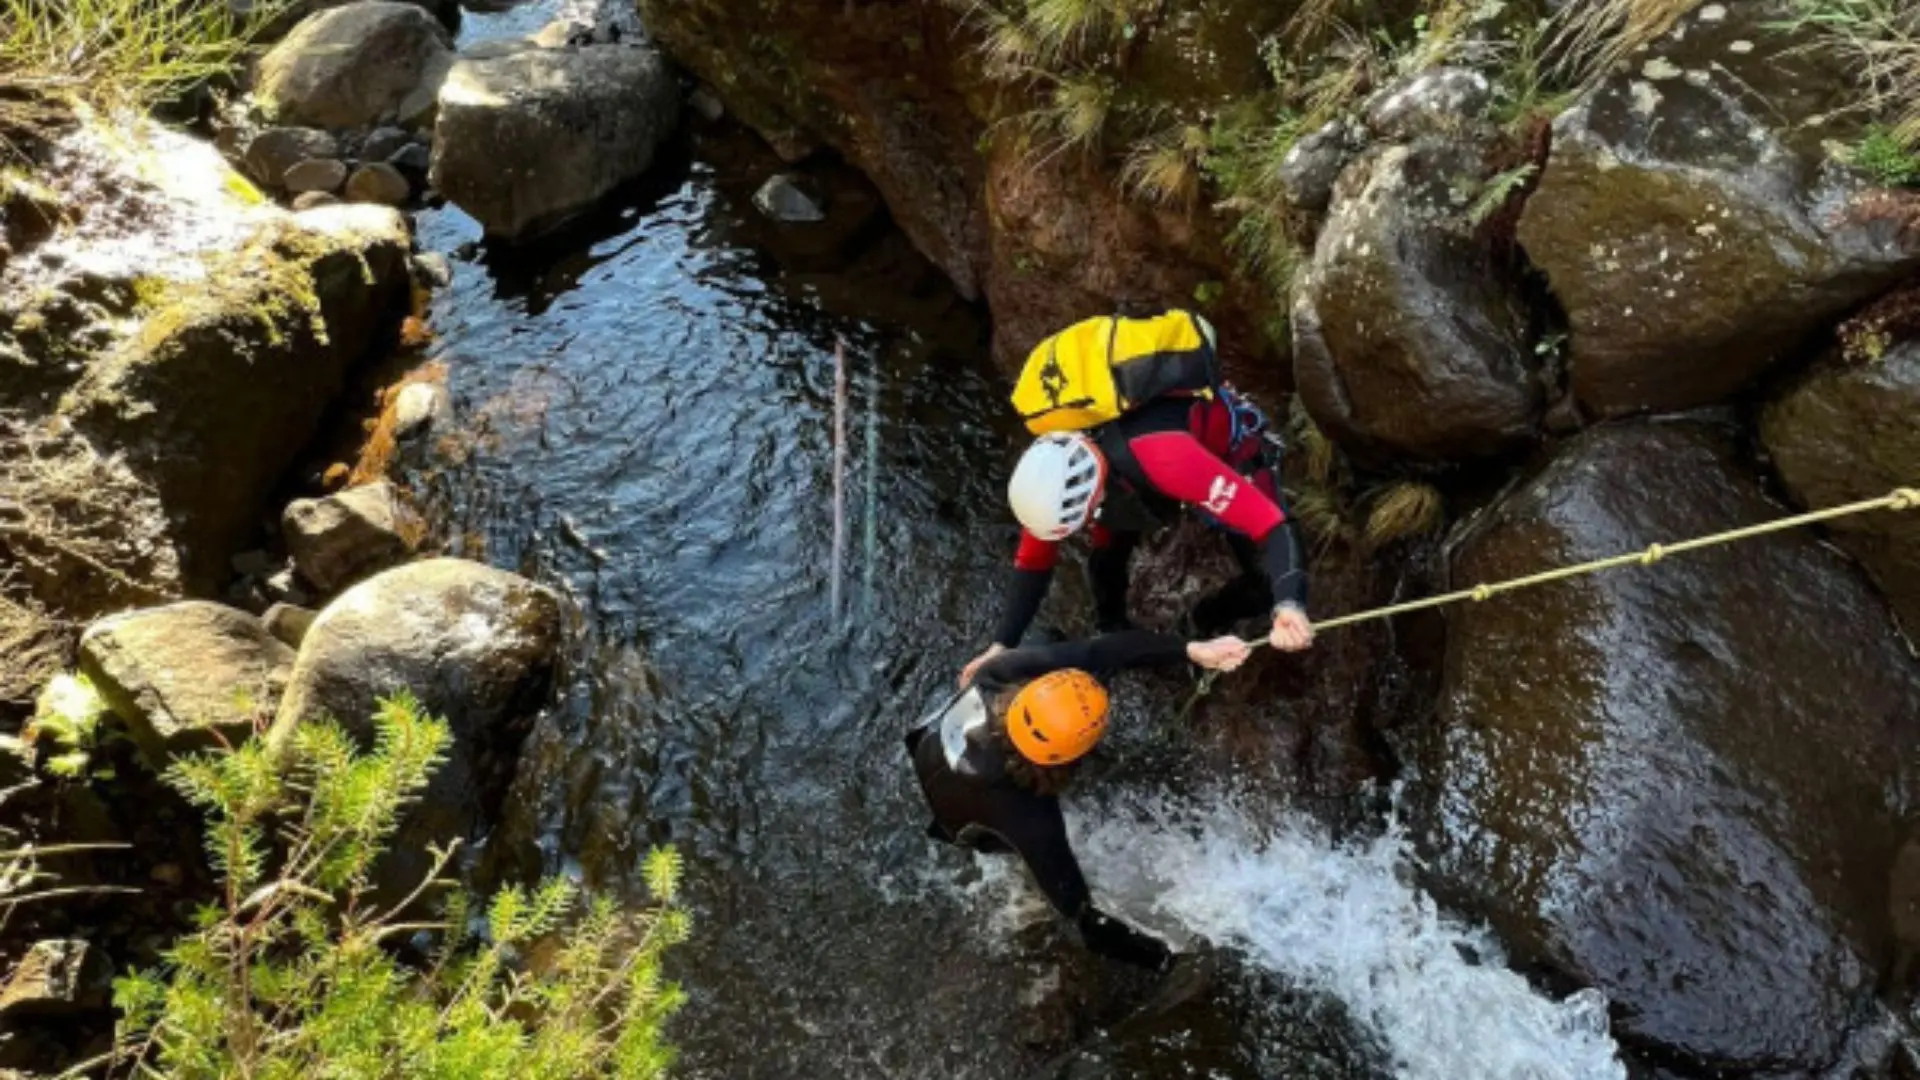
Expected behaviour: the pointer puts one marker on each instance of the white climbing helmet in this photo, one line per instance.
(1057, 485)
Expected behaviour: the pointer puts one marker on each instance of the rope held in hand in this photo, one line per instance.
(1898, 499)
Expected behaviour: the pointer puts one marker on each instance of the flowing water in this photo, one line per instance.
(651, 404)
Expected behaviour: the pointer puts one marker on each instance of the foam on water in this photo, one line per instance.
(1343, 919)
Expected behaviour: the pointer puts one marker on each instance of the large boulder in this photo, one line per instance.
(527, 139)
(1681, 784)
(474, 645)
(186, 676)
(339, 539)
(356, 66)
(1408, 339)
(224, 383)
(1848, 432)
(1689, 223)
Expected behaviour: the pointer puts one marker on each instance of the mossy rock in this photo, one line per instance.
(1849, 432)
(225, 382)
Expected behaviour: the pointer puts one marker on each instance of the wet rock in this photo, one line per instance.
(1433, 102)
(706, 105)
(182, 674)
(314, 200)
(383, 143)
(432, 269)
(1408, 340)
(1695, 236)
(1684, 784)
(781, 199)
(316, 174)
(252, 563)
(281, 587)
(1308, 172)
(475, 645)
(419, 407)
(527, 140)
(275, 150)
(413, 160)
(289, 623)
(284, 15)
(378, 183)
(339, 539)
(355, 66)
(221, 386)
(1847, 433)
(57, 978)
(592, 22)
(29, 211)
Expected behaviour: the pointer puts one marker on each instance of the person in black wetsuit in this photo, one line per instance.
(993, 762)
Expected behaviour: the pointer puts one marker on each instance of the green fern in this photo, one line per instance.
(290, 977)
(1497, 191)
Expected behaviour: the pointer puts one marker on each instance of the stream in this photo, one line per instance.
(650, 398)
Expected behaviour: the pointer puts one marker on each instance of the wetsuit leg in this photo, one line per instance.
(1108, 568)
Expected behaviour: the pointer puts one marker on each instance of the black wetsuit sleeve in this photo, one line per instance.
(1025, 591)
(1285, 566)
(1102, 655)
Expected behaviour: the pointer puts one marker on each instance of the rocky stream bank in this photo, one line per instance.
(1663, 309)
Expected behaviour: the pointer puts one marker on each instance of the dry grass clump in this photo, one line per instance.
(1879, 40)
(1590, 38)
(1403, 511)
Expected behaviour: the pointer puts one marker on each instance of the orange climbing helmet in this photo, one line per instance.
(1058, 717)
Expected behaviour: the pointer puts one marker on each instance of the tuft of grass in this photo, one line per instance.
(1879, 42)
(1591, 38)
(1072, 115)
(1403, 511)
(1168, 168)
(110, 54)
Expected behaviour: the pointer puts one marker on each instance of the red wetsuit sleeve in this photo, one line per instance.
(1035, 553)
(1179, 467)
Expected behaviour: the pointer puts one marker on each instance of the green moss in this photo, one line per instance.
(242, 189)
(1883, 155)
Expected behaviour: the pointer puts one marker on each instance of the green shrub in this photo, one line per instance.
(293, 973)
(1883, 155)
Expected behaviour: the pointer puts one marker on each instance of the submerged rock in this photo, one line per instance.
(1695, 236)
(337, 540)
(1848, 433)
(527, 139)
(475, 645)
(1684, 784)
(366, 63)
(1408, 340)
(781, 199)
(186, 676)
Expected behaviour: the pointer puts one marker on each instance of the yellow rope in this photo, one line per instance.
(1898, 499)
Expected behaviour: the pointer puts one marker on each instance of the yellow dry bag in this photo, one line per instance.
(1097, 369)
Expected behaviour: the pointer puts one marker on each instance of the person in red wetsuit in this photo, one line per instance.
(1137, 473)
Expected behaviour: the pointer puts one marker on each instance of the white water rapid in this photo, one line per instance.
(1342, 919)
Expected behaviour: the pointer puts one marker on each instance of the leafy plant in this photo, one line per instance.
(67, 728)
(1883, 155)
(292, 973)
(1496, 190)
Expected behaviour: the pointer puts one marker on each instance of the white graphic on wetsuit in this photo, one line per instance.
(1220, 496)
(961, 716)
